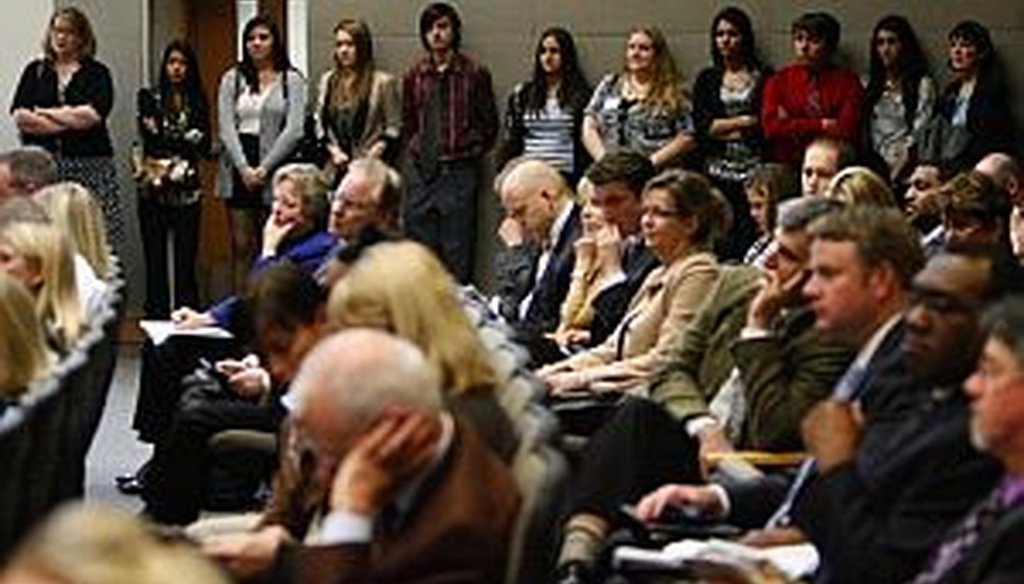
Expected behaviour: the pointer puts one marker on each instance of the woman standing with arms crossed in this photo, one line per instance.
(544, 116)
(174, 126)
(643, 108)
(727, 114)
(358, 109)
(62, 103)
(260, 105)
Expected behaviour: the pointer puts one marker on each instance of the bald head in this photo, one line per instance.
(533, 194)
(353, 376)
(1005, 172)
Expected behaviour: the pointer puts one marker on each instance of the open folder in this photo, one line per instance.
(159, 331)
(716, 557)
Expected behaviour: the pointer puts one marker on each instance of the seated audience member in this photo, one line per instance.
(812, 97)
(973, 115)
(1008, 174)
(40, 257)
(983, 547)
(823, 159)
(618, 179)
(859, 185)
(288, 318)
(683, 215)
(415, 494)
(76, 213)
(294, 231)
(595, 267)
(24, 356)
(975, 210)
(752, 353)
(862, 262)
(536, 197)
(922, 202)
(25, 170)
(90, 544)
(769, 184)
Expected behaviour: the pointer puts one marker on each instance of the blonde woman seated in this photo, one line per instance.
(74, 211)
(596, 265)
(24, 357)
(683, 215)
(89, 544)
(859, 185)
(420, 302)
(40, 257)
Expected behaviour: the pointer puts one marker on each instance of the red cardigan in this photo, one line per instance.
(840, 98)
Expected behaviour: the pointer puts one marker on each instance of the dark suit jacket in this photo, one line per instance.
(997, 557)
(611, 304)
(457, 531)
(876, 518)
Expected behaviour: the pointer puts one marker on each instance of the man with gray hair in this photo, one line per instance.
(25, 170)
(409, 482)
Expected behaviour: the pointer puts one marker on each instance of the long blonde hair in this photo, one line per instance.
(859, 185)
(668, 88)
(45, 248)
(403, 288)
(89, 544)
(74, 210)
(23, 351)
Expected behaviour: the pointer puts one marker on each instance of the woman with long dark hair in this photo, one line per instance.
(973, 115)
(900, 96)
(644, 108)
(727, 108)
(174, 127)
(544, 116)
(62, 103)
(359, 108)
(261, 104)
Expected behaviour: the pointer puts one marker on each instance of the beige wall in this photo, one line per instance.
(503, 33)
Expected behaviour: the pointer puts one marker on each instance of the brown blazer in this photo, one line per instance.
(457, 531)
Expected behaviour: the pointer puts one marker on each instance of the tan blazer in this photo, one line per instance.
(657, 315)
(383, 116)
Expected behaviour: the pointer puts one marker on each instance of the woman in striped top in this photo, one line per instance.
(544, 115)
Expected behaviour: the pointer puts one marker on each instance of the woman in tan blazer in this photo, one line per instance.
(359, 108)
(683, 215)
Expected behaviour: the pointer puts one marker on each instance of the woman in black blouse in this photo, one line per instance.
(174, 126)
(727, 102)
(62, 103)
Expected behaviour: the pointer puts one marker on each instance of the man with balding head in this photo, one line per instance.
(539, 203)
(1007, 173)
(415, 495)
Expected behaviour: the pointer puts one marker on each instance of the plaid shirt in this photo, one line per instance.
(469, 118)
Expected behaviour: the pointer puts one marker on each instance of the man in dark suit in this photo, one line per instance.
(886, 491)
(985, 547)
(618, 180)
(539, 203)
(415, 496)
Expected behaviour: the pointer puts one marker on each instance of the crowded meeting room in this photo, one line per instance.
(511, 292)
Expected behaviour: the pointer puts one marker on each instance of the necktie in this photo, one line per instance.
(961, 540)
(430, 142)
(849, 388)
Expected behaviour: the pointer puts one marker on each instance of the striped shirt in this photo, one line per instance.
(549, 136)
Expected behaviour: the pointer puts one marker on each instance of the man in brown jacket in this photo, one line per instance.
(411, 486)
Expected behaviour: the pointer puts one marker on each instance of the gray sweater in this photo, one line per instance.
(281, 127)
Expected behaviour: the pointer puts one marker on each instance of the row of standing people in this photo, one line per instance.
(741, 114)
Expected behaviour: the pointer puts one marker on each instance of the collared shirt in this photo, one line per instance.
(554, 233)
(469, 118)
(1012, 490)
(868, 349)
(341, 526)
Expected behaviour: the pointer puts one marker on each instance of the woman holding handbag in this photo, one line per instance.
(174, 128)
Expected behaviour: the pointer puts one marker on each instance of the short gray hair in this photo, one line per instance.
(1004, 322)
(363, 371)
(798, 214)
(31, 168)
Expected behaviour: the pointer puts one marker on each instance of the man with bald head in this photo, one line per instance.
(415, 495)
(539, 203)
(1007, 173)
